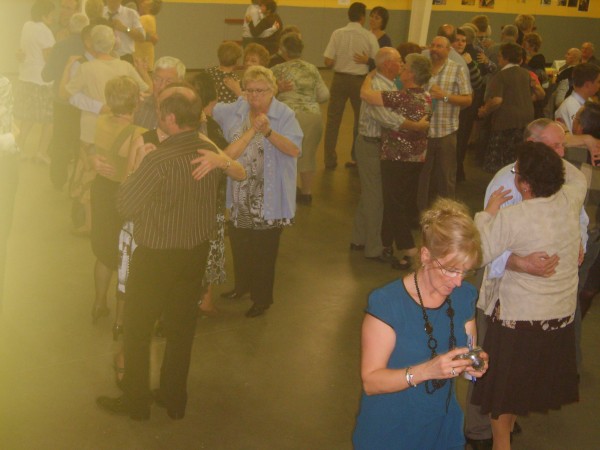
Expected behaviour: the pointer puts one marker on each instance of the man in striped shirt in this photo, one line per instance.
(174, 216)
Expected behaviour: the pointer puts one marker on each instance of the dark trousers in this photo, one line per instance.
(343, 87)
(439, 172)
(167, 282)
(400, 182)
(254, 257)
(64, 146)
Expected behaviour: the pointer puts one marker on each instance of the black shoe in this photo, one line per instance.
(120, 407)
(233, 294)
(160, 402)
(256, 310)
(304, 199)
(480, 444)
(356, 247)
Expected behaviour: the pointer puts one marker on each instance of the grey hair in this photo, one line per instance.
(534, 129)
(420, 66)
(103, 39)
(78, 22)
(385, 54)
(169, 62)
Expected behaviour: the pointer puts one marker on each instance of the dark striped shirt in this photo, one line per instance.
(169, 209)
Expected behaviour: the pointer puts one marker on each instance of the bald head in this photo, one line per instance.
(388, 62)
(548, 132)
(573, 57)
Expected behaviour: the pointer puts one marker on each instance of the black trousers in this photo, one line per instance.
(64, 146)
(254, 257)
(167, 282)
(400, 183)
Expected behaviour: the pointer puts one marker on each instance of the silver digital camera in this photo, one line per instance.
(473, 355)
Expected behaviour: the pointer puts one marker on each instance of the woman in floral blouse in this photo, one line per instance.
(307, 90)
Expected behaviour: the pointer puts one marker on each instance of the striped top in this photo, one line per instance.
(169, 209)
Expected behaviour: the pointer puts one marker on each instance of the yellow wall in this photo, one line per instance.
(389, 4)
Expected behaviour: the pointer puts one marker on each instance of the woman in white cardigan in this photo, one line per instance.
(531, 339)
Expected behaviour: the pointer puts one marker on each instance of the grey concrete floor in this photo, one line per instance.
(286, 380)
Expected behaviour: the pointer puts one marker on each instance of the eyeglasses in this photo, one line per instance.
(452, 273)
(256, 91)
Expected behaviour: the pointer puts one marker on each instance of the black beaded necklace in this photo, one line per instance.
(433, 385)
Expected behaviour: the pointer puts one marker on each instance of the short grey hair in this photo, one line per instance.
(420, 66)
(78, 22)
(103, 39)
(385, 54)
(169, 62)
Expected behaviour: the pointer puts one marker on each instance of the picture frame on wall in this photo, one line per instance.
(486, 4)
(584, 5)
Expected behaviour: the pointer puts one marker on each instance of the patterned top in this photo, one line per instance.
(247, 209)
(309, 87)
(7, 139)
(224, 94)
(453, 80)
(406, 145)
(169, 209)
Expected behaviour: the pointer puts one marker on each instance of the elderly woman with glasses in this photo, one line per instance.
(266, 139)
(413, 332)
(530, 335)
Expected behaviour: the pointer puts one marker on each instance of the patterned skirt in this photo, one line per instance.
(215, 265)
(33, 102)
(501, 149)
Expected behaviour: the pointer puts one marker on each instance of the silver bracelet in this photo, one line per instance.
(409, 377)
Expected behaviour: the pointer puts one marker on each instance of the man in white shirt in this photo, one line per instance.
(127, 25)
(586, 83)
(348, 75)
(539, 264)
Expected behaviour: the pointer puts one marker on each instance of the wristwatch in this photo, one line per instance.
(445, 99)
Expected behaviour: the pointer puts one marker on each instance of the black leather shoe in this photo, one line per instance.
(480, 444)
(233, 294)
(160, 402)
(356, 247)
(120, 407)
(256, 310)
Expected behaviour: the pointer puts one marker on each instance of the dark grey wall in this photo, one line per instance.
(558, 33)
(193, 32)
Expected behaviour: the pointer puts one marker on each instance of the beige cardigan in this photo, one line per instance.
(548, 224)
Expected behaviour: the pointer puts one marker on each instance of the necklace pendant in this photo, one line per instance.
(428, 328)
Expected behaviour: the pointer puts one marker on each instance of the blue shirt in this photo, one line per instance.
(279, 168)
